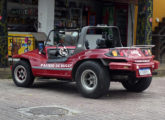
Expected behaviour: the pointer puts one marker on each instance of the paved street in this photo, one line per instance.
(43, 100)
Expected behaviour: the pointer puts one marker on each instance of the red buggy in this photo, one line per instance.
(92, 58)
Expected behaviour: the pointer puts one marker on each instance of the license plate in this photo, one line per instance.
(145, 71)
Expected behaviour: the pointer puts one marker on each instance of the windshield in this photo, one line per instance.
(99, 38)
(67, 38)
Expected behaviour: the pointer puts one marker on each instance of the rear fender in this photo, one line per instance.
(75, 67)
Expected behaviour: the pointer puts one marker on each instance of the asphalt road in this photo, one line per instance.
(54, 100)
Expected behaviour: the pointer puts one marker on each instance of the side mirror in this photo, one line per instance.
(40, 47)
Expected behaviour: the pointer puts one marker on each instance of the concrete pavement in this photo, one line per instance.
(50, 100)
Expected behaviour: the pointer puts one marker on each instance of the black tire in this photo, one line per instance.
(95, 72)
(22, 74)
(139, 85)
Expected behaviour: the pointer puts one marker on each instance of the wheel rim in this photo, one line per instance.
(89, 80)
(20, 74)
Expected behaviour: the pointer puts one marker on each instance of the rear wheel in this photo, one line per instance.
(138, 85)
(22, 74)
(92, 79)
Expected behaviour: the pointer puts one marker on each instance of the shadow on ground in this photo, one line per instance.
(70, 88)
(60, 86)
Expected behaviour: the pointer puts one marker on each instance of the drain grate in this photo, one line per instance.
(47, 111)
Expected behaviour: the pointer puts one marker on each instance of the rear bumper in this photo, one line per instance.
(134, 67)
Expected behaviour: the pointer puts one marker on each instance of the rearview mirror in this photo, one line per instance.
(74, 34)
(62, 32)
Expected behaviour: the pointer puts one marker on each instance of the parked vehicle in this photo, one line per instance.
(92, 58)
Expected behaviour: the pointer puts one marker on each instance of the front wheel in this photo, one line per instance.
(138, 85)
(22, 74)
(92, 79)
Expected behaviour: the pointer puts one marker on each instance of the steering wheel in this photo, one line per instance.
(63, 52)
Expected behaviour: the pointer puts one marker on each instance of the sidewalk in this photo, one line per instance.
(161, 70)
(5, 73)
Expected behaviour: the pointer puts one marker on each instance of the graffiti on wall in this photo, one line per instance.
(144, 28)
(3, 33)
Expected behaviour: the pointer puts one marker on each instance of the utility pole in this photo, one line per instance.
(144, 24)
(3, 34)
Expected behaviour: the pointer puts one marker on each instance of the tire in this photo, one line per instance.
(22, 74)
(139, 85)
(93, 79)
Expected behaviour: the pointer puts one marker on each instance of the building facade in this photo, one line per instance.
(133, 17)
(3, 33)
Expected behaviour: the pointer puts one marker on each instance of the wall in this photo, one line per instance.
(46, 17)
(158, 11)
(135, 23)
(3, 34)
(131, 22)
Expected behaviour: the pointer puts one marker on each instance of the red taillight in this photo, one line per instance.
(121, 53)
(146, 52)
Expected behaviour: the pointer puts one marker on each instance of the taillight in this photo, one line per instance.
(115, 53)
(121, 53)
(147, 52)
